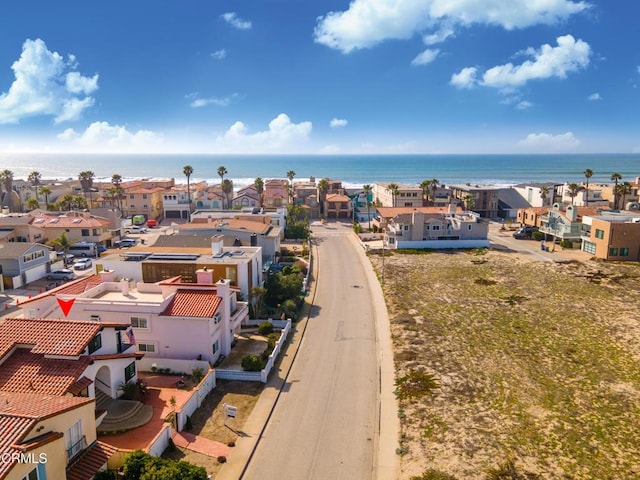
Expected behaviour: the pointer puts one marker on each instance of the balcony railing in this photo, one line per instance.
(76, 448)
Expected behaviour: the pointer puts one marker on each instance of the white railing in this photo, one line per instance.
(145, 364)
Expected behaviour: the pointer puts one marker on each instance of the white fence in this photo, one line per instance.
(145, 364)
(261, 376)
(160, 443)
(198, 395)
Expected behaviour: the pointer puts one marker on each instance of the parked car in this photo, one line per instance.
(69, 257)
(82, 264)
(524, 233)
(64, 274)
(135, 229)
(126, 243)
(152, 223)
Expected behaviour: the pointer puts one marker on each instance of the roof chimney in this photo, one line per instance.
(204, 276)
(216, 245)
(107, 276)
(124, 286)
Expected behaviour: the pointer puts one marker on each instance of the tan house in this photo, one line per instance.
(484, 198)
(612, 236)
(408, 195)
(338, 205)
(530, 217)
(276, 193)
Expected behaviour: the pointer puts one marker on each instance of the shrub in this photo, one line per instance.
(197, 374)
(415, 384)
(222, 459)
(265, 328)
(128, 390)
(538, 236)
(566, 244)
(272, 339)
(252, 363)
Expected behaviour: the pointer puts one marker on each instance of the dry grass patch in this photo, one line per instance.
(537, 364)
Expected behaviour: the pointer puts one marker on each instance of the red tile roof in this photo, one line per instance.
(193, 303)
(51, 337)
(37, 406)
(12, 430)
(75, 287)
(27, 372)
(90, 461)
(79, 385)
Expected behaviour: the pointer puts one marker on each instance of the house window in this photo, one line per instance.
(624, 252)
(74, 439)
(131, 196)
(216, 318)
(95, 232)
(436, 227)
(144, 196)
(85, 232)
(95, 343)
(469, 227)
(406, 228)
(146, 347)
(613, 252)
(139, 322)
(129, 371)
(589, 247)
(599, 233)
(37, 473)
(32, 256)
(216, 346)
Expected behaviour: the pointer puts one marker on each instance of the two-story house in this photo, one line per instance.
(565, 223)
(338, 205)
(483, 198)
(178, 203)
(407, 195)
(612, 235)
(22, 263)
(246, 197)
(276, 193)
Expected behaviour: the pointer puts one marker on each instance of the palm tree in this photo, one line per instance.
(624, 189)
(32, 203)
(425, 185)
(222, 171)
(86, 181)
(116, 180)
(258, 183)
(435, 183)
(6, 178)
(113, 193)
(46, 191)
(227, 189)
(614, 178)
(367, 190)
(187, 170)
(290, 175)
(588, 173)
(62, 242)
(34, 178)
(66, 201)
(573, 190)
(468, 201)
(544, 194)
(394, 189)
(323, 188)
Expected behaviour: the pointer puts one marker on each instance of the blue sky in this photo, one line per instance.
(366, 76)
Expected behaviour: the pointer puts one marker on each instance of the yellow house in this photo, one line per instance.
(49, 437)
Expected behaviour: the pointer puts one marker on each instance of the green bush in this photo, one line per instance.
(139, 465)
(566, 244)
(538, 236)
(128, 390)
(197, 374)
(265, 328)
(252, 363)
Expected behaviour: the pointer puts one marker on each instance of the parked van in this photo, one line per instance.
(152, 223)
(84, 249)
(524, 233)
(138, 220)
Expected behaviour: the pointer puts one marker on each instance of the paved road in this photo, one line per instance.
(324, 423)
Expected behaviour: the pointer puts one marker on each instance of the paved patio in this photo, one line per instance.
(158, 398)
(200, 444)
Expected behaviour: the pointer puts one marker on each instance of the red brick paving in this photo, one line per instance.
(201, 445)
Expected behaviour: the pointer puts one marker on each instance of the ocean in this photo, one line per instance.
(353, 170)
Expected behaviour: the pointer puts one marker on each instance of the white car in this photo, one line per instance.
(135, 229)
(82, 264)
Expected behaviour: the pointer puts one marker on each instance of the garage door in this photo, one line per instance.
(35, 273)
(172, 214)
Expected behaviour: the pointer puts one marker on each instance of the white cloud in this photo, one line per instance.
(438, 36)
(100, 135)
(465, 78)
(594, 96)
(517, 101)
(219, 54)
(282, 135)
(523, 105)
(547, 143)
(368, 22)
(46, 84)
(236, 22)
(198, 102)
(569, 56)
(338, 123)
(426, 57)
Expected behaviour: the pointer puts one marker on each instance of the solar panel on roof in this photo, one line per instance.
(173, 256)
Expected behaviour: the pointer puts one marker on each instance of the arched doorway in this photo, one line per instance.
(103, 381)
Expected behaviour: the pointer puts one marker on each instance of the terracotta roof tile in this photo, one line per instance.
(75, 287)
(90, 461)
(51, 337)
(193, 303)
(79, 385)
(12, 430)
(37, 406)
(27, 372)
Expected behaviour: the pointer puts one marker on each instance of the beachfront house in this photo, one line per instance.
(407, 195)
(565, 222)
(434, 228)
(482, 199)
